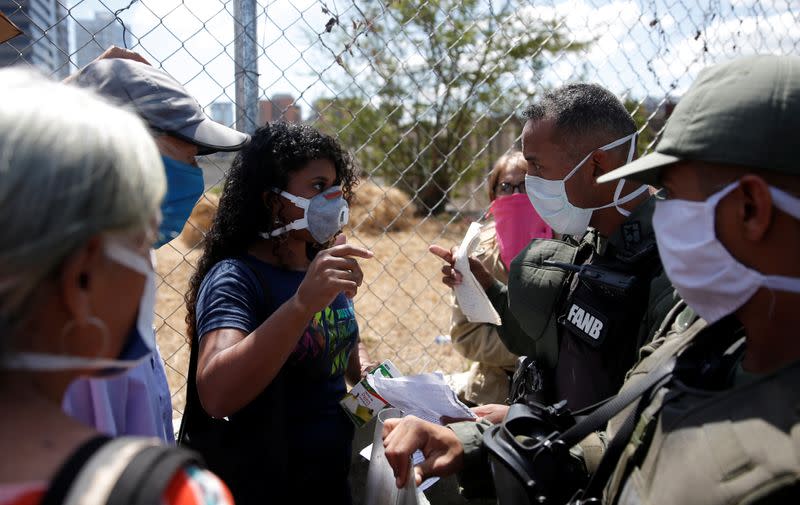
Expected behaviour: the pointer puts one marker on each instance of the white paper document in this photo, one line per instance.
(426, 396)
(471, 297)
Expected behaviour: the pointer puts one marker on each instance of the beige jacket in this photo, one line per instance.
(487, 380)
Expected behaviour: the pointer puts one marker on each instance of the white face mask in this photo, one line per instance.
(705, 274)
(140, 341)
(549, 197)
(324, 215)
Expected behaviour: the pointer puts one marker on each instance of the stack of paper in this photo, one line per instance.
(426, 396)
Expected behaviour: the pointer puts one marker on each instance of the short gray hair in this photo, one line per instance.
(582, 110)
(72, 166)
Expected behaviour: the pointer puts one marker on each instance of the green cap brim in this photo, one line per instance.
(646, 169)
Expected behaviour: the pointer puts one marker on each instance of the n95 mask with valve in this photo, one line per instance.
(324, 215)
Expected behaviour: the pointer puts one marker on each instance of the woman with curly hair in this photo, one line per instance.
(272, 325)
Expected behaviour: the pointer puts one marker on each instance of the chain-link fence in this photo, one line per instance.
(425, 93)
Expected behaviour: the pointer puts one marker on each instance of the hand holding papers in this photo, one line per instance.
(425, 396)
(470, 295)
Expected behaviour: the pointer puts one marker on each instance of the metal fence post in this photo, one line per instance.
(246, 64)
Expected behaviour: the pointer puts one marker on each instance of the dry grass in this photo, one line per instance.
(401, 307)
(377, 209)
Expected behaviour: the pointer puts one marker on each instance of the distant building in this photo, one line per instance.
(45, 39)
(95, 35)
(279, 107)
(222, 112)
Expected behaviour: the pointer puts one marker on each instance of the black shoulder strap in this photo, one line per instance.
(60, 485)
(597, 420)
(147, 476)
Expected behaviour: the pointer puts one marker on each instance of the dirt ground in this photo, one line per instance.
(401, 307)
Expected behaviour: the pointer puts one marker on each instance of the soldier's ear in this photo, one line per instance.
(601, 163)
(755, 208)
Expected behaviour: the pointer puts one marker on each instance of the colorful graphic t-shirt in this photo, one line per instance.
(319, 434)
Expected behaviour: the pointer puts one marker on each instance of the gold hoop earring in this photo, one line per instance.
(94, 322)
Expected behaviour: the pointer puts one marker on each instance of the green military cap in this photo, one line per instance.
(743, 112)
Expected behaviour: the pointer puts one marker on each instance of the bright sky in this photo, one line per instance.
(629, 56)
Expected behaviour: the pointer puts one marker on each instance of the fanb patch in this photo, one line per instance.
(587, 323)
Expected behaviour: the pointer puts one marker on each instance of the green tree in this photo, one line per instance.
(433, 83)
(644, 124)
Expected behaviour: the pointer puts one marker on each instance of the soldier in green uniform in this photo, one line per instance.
(726, 427)
(723, 426)
(582, 306)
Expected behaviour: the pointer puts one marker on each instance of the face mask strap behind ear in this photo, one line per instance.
(298, 224)
(618, 191)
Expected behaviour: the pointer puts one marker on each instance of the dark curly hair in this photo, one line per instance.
(274, 153)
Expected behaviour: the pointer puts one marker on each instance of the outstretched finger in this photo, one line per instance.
(350, 250)
(441, 252)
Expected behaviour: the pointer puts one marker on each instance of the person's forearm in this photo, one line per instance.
(236, 375)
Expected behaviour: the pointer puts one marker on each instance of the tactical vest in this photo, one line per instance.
(718, 446)
(586, 330)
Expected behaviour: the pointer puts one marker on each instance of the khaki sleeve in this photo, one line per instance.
(479, 341)
(475, 478)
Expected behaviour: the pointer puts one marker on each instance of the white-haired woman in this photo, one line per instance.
(81, 182)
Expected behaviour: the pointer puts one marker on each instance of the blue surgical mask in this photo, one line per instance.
(184, 187)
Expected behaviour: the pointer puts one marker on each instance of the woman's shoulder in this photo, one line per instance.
(230, 271)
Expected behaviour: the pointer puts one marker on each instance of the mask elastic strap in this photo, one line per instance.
(298, 224)
(791, 205)
(127, 258)
(781, 283)
(606, 147)
(303, 203)
(788, 203)
(617, 201)
(47, 362)
(621, 182)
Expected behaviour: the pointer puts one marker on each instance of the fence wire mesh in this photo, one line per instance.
(426, 94)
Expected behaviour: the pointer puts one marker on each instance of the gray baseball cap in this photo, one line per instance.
(161, 101)
(743, 112)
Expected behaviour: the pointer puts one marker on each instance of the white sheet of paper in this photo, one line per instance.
(471, 297)
(426, 396)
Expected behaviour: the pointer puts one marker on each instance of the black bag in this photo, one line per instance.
(250, 444)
